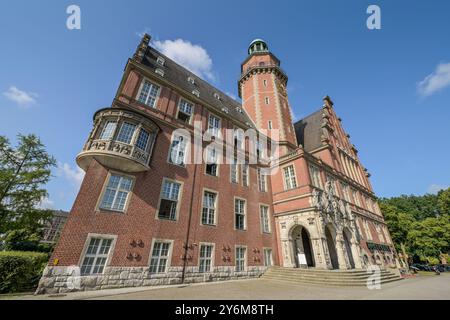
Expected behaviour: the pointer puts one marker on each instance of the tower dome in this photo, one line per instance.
(258, 45)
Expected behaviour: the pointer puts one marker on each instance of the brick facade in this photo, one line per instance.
(134, 229)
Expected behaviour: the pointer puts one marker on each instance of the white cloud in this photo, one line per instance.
(75, 176)
(435, 188)
(22, 98)
(436, 81)
(191, 56)
(46, 203)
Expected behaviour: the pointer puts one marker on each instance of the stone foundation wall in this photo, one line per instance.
(57, 279)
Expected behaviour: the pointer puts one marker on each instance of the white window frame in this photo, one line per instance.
(100, 207)
(168, 257)
(245, 176)
(292, 184)
(244, 268)
(216, 207)
(179, 109)
(265, 250)
(265, 226)
(156, 97)
(160, 60)
(215, 131)
(180, 194)
(244, 214)
(234, 171)
(86, 246)
(262, 180)
(211, 258)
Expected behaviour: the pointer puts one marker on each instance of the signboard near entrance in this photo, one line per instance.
(302, 260)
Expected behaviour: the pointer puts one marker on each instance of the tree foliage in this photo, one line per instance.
(421, 223)
(24, 171)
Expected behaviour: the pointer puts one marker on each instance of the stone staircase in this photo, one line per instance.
(356, 277)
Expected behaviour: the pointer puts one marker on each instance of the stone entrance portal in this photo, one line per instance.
(331, 243)
(301, 244)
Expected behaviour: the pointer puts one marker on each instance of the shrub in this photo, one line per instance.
(20, 270)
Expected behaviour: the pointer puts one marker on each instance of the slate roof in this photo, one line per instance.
(308, 131)
(178, 75)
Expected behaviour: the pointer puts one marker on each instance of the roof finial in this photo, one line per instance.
(327, 101)
(142, 47)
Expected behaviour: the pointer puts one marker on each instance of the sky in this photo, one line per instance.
(390, 86)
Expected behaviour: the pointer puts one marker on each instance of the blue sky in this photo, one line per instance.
(391, 86)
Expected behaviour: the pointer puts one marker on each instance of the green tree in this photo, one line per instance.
(399, 224)
(430, 237)
(444, 202)
(24, 171)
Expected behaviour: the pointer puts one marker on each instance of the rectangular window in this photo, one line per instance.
(240, 258)
(289, 177)
(178, 150)
(108, 130)
(211, 165)
(234, 171)
(169, 200)
(315, 176)
(205, 263)
(214, 125)
(245, 172)
(239, 213)
(266, 100)
(116, 193)
(185, 111)
(149, 93)
(265, 222)
(269, 124)
(268, 257)
(142, 140)
(126, 132)
(160, 257)
(209, 208)
(96, 255)
(262, 181)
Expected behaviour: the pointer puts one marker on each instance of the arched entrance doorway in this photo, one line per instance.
(331, 248)
(348, 248)
(302, 245)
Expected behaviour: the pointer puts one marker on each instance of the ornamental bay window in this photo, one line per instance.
(121, 139)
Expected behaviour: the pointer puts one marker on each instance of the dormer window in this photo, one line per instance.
(191, 80)
(160, 72)
(216, 95)
(160, 61)
(196, 93)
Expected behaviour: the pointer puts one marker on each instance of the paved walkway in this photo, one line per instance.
(421, 287)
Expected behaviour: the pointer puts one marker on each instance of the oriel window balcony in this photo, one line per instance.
(120, 139)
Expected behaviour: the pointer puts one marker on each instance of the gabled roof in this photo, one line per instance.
(309, 131)
(178, 75)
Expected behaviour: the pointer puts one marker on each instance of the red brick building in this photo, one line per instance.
(147, 213)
